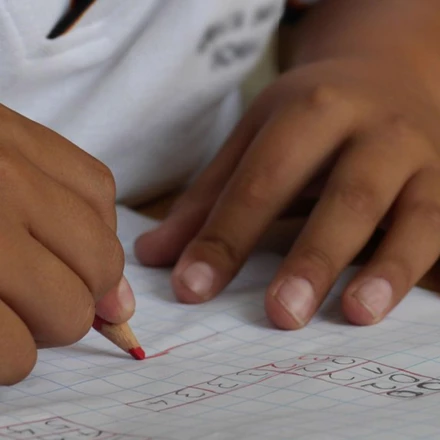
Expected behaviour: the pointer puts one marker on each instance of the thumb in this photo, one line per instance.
(163, 245)
(118, 305)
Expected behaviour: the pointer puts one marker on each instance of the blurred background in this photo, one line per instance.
(264, 73)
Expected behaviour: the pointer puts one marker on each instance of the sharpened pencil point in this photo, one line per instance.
(121, 335)
(138, 353)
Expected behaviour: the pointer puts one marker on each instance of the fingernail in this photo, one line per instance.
(375, 296)
(198, 277)
(297, 297)
(125, 296)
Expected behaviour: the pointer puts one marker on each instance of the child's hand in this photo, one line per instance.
(59, 254)
(372, 130)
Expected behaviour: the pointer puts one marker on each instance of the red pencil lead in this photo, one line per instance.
(138, 353)
(121, 335)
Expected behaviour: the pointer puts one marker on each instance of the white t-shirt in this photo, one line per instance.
(149, 87)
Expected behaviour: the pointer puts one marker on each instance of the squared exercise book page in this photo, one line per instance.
(221, 371)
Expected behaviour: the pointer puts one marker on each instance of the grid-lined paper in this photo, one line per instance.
(220, 371)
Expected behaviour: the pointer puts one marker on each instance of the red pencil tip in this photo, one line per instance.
(137, 353)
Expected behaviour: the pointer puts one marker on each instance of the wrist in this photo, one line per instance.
(402, 33)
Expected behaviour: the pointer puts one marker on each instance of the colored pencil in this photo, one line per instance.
(121, 335)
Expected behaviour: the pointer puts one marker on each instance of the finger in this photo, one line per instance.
(63, 223)
(18, 353)
(63, 161)
(78, 171)
(361, 189)
(408, 250)
(93, 182)
(52, 300)
(286, 153)
(162, 246)
(93, 251)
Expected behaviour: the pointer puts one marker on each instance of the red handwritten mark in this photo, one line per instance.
(169, 350)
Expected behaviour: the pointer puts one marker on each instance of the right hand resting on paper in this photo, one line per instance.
(59, 254)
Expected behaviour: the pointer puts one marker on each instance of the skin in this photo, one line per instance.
(52, 283)
(354, 116)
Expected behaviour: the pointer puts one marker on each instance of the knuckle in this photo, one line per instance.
(428, 210)
(254, 190)
(101, 194)
(223, 249)
(360, 198)
(322, 96)
(316, 257)
(106, 185)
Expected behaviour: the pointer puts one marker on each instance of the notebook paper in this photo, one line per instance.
(220, 371)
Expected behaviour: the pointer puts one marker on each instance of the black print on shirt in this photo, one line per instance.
(265, 13)
(233, 22)
(229, 53)
(217, 40)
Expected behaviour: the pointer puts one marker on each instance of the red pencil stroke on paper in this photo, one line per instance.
(175, 347)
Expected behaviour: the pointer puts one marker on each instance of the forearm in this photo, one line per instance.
(404, 31)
